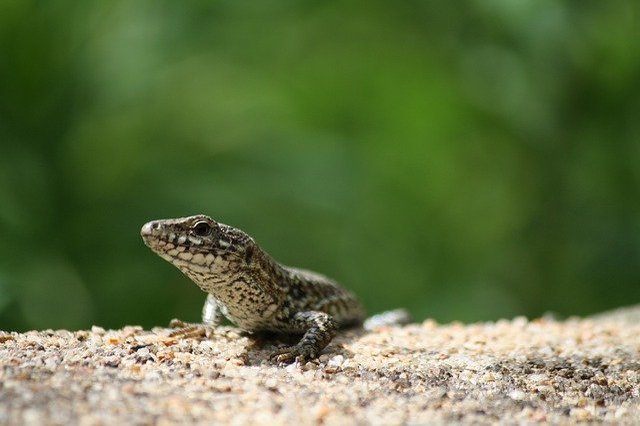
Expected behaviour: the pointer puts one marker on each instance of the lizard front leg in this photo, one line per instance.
(211, 317)
(318, 328)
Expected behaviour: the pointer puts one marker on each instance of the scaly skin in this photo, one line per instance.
(250, 288)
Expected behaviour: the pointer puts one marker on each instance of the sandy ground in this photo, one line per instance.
(515, 371)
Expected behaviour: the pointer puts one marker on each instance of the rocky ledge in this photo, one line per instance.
(507, 371)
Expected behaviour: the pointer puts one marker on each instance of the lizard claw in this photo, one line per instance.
(298, 353)
(187, 330)
(177, 323)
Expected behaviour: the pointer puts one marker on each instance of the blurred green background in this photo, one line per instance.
(467, 160)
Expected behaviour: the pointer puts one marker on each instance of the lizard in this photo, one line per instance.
(255, 292)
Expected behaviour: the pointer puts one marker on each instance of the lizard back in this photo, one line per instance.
(313, 291)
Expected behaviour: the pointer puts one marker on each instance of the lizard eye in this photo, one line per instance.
(202, 229)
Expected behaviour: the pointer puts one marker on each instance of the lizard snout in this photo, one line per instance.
(149, 229)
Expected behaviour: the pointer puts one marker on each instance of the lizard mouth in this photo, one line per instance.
(161, 241)
(158, 238)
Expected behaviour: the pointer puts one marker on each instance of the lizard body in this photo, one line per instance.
(250, 288)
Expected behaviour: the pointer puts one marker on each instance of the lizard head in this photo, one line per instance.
(202, 248)
(195, 240)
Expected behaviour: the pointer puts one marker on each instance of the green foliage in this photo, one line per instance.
(467, 160)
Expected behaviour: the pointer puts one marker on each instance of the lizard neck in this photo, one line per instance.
(250, 288)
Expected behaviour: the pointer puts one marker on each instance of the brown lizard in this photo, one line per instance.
(250, 288)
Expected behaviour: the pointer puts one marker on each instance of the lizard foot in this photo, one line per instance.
(185, 330)
(297, 353)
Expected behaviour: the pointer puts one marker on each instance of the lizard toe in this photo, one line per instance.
(298, 353)
(177, 323)
(284, 355)
(186, 330)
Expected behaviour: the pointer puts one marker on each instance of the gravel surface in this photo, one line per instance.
(502, 372)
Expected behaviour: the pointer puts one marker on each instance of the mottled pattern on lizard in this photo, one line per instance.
(250, 288)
